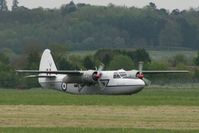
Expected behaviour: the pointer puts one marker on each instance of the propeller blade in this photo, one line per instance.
(101, 85)
(140, 66)
(99, 75)
(101, 67)
(147, 82)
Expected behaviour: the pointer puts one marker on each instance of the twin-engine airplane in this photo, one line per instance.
(119, 82)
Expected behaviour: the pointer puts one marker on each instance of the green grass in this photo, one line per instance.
(152, 98)
(148, 96)
(91, 130)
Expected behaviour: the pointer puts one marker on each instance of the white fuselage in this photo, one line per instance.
(113, 84)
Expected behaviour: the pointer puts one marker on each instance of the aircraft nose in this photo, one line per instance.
(142, 82)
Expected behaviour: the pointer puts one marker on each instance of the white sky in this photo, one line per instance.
(167, 4)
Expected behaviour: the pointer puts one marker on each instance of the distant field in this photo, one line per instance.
(158, 55)
(155, 55)
(83, 53)
(155, 109)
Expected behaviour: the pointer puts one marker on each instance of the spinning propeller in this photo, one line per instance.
(97, 76)
(140, 74)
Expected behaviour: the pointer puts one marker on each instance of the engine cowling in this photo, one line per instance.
(91, 76)
(132, 73)
(135, 74)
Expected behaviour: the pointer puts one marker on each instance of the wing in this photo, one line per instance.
(41, 76)
(47, 74)
(51, 72)
(164, 71)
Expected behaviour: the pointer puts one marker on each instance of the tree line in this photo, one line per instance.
(86, 27)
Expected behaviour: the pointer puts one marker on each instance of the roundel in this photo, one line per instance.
(64, 86)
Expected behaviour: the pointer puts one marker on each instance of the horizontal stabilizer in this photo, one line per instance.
(164, 71)
(50, 72)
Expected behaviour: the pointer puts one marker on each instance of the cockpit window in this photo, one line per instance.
(116, 75)
(123, 74)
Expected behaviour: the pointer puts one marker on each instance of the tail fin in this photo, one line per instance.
(47, 63)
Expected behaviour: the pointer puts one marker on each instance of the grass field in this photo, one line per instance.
(152, 96)
(155, 109)
(91, 130)
(151, 117)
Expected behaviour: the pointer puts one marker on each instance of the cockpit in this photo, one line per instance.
(117, 75)
(123, 74)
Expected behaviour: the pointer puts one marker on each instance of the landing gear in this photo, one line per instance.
(80, 87)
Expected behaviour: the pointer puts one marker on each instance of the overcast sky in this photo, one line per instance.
(167, 4)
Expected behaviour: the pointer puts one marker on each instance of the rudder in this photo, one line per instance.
(47, 63)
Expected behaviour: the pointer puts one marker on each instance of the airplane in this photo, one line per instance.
(118, 82)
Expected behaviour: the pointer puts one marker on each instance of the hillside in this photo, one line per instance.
(86, 27)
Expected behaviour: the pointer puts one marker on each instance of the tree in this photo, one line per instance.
(32, 53)
(3, 58)
(171, 35)
(7, 73)
(7, 76)
(14, 4)
(104, 56)
(68, 8)
(76, 61)
(139, 55)
(33, 60)
(59, 53)
(121, 62)
(64, 64)
(88, 62)
(178, 59)
(196, 59)
(175, 12)
(3, 5)
(152, 5)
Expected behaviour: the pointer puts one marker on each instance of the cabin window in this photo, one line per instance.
(123, 74)
(116, 75)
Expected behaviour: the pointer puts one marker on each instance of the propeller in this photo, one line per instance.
(140, 67)
(147, 82)
(101, 67)
(140, 74)
(97, 76)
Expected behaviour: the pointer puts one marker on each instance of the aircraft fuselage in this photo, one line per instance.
(111, 86)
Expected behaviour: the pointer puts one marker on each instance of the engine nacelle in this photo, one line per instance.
(132, 73)
(90, 76)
